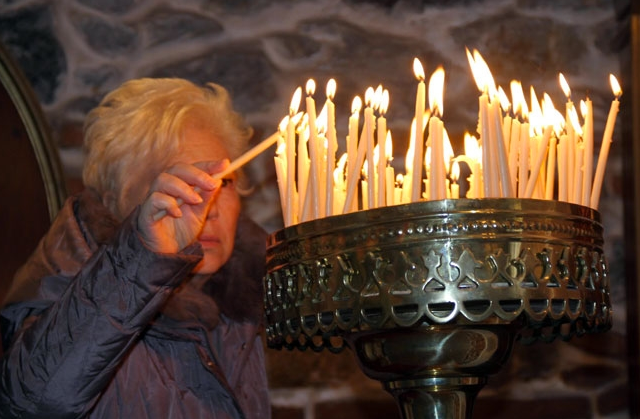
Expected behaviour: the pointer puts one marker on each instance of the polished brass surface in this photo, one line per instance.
(431, 296)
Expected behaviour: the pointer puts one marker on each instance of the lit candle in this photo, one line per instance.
(369, 127)
(472, 156)
(291, 192)
(314, 150)
(281, 171)
(418, 143)
(332, 144)
(389, 172)
(382, 137)
(437, 172)
(606, 143)
(537, 165)
(352, 150)
(486, 85)
(304, 163)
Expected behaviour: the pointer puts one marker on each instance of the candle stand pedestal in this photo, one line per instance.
(432, 296)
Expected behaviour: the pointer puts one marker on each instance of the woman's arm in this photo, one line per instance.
(59, 364)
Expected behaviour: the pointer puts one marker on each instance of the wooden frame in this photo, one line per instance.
(631, 165)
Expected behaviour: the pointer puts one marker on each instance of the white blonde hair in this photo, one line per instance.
(143, 121)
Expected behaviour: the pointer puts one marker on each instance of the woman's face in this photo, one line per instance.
(218, 233)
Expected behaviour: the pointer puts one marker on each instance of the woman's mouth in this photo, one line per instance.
(209, 241)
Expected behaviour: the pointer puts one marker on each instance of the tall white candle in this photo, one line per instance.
(606, 143)
(418, 145)
(352, 148)
(537, 165)
(332, 145)
(437, 173)
(291, 190)
(369, 127)
(381, 131)
(551, 167)
(314, 150)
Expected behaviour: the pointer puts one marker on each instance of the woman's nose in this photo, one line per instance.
(213, 210)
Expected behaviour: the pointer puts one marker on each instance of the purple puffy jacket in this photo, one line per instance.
(96, 325)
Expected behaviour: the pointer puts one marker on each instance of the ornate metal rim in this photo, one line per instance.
(483, 261)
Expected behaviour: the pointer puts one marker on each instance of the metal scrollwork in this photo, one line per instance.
(439, 263)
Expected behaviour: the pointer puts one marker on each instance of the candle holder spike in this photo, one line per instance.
(432, 296)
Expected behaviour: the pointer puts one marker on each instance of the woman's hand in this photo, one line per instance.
(185, 193)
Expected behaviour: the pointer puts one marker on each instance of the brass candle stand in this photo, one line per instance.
(431, 296)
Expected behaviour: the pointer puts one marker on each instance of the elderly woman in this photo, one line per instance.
(144, 298)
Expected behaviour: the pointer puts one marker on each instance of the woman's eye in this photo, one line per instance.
(227, 182)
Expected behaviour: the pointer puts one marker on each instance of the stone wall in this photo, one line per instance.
(74, 51)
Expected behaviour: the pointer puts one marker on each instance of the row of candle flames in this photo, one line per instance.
(518, 154)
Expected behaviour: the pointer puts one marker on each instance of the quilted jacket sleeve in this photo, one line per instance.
(65, 351)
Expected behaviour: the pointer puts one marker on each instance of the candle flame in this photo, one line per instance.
(483, 72)
(311, 87)
(615, 86)
(369, 96)
(455, 172)
(399, 179)
(297, 118)
(519, 101)
(282, 127)
(565, 86)
(384, 105)
(573, 120)
(535, 105)
(583, 108)
(356, 105)
(331, 89)
(547, 105)
(418, 70)
(388, 147)
(436, 92)
(474, 69)
(282, 148)
(295, 101)
(504, 100)
(377, 98)
(471, 147)
(322, 121)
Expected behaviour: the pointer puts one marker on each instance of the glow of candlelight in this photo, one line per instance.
(418, 134)
(606, 142)
(504, 100)
(436, 172)
(565, 86)
(436, 92)
(519, 102)
(295, 101)
(488, 84)
(575, 123)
